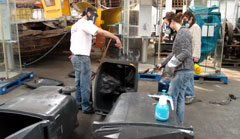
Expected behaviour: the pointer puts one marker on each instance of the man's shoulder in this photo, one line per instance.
(196, 26)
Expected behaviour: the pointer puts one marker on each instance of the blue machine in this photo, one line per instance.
(205, 17)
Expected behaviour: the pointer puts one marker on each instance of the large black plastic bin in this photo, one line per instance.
(42, 113)
(133, 118)
(114, 78)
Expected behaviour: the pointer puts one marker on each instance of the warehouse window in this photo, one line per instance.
(49, 2)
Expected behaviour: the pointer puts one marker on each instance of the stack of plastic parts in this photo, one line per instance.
(42, 81)
(205, 17)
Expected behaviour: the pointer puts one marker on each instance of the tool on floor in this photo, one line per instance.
(162, 108)
(226, 101)
(43, 81)
(151, 70)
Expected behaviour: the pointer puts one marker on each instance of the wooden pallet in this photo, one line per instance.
(163, 53)
(235, 65)
(231, 63)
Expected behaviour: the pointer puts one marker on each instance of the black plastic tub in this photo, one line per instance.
(43, 113)
(114, 78)
(132, 117)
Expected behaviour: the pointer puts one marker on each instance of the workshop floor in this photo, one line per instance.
(208, 120)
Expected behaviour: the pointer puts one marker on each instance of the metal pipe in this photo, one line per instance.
(126, 12)
(160, 32)
(224, 26)
(3, 45)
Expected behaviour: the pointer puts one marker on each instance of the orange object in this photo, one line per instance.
(197, 69)
(105, 52)
(100, 41)
(39, 4)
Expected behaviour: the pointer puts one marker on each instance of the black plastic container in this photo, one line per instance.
(42, 113)
(163, 84)
(133, 118)
(114, 78)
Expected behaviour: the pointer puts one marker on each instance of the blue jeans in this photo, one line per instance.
(81, 65)
(190, 88)
(177, 89)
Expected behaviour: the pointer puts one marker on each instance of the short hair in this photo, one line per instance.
(175, 17)
(88, 9)
(189, 14)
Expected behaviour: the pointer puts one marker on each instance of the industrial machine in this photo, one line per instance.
(231, 53)
(56, 8)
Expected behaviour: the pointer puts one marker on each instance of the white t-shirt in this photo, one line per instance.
(81, 37)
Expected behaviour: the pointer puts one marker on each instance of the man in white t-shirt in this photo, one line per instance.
(81, 43)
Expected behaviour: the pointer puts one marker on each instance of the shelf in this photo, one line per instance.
(236, 35)
(233, 45)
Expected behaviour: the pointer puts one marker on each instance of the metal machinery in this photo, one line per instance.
(211, 17)
(231, 55)
(56, 8)
(11, 74)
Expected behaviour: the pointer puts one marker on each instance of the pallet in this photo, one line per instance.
(163, 53)
(230, 64)
(15, 82)
(221, 78)
(149, 77)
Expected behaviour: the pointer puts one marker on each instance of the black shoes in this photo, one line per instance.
(91, 111)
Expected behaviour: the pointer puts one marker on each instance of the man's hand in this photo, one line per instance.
(110, 35)
(195, 60)
(118, 43)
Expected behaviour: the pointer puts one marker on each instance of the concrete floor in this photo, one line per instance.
(208, 120)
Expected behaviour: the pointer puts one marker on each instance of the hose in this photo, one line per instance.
(104, 55)
(27, 64)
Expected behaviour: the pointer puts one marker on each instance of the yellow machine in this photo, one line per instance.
(56, 8)
(103, 15)
(59, 8)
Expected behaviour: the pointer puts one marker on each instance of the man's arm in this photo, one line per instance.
(196, 43)
(110, 35)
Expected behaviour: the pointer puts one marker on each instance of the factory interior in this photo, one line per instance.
(119, 69)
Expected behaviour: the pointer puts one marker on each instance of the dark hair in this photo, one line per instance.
(175, 17)
(89, 9)
(189, 14)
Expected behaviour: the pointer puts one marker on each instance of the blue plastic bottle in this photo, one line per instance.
(162, 108)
